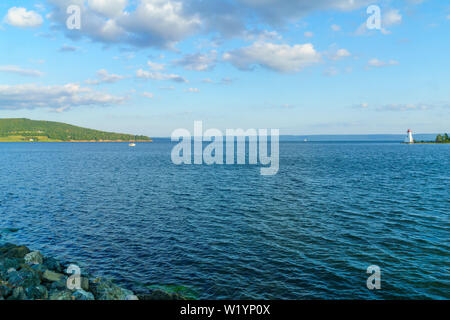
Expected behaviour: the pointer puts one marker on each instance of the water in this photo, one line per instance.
(225, 231)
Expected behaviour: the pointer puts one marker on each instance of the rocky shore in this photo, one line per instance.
(29, 275)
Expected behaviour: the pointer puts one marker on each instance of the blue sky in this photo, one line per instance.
(305, 67)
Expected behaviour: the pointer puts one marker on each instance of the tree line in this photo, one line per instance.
(443, 138)
(58, 131)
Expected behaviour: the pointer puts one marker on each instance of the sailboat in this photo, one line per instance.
(132, 143)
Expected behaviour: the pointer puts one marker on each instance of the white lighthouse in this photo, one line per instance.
(409, 137)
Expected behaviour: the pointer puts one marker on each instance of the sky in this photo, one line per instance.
(152, 66)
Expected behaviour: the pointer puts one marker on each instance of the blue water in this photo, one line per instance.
(226, 231)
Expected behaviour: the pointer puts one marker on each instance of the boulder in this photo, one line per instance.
(51, 276)
(104, 289)
(34, 257)
(8, 264)
(37, 292)
(61, 295)
(5, 289)
(85, 283)
(53, 264)
(60, 285)
(11, 251)
(25, 277)
(83, 295)
(18, 294)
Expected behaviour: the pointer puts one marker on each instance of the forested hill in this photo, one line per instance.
(47, 131)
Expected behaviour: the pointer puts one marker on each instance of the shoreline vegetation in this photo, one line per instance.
(26, 130)
(440, 139)
(28, 275)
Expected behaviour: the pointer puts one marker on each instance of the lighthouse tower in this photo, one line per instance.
(409, 137)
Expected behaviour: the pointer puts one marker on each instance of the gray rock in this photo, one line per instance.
(51, 276)
(12, 251)
(83, 295)
(5, 289)
(61, 295)
(18, 294)
(104, 289)
(34, 257)
(53, 264)
(6, 264)
(61, 285)
(85, 283)
(25, 277)
(37, 292)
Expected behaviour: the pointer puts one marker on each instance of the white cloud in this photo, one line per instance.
(169, 88)
(142, 74)
(105, 77)
(264, 35)
(391, 17)
(331, 72)
(276, 11)
(163, 23)
(404, 107)
(378, 63)
(192, 90)
(198, 61)
(277, 57)
(335, 27)
(21, 71)
(20, 17)
(148, 95)
(108, 8)
(156, 66)
(223, 81)
(340, 54)
(57, 97)
(67, 48)
(308, 34)
(160, 23)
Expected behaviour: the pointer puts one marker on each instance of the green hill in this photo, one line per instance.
(25, 130)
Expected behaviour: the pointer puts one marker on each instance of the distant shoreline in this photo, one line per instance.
(430, 142)
(78, 141)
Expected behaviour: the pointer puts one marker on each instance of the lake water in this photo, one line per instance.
(311, 231)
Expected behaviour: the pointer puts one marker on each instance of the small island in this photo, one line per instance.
(26, 130)
(440, 138)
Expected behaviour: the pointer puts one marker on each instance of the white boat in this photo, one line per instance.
(132, 142)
